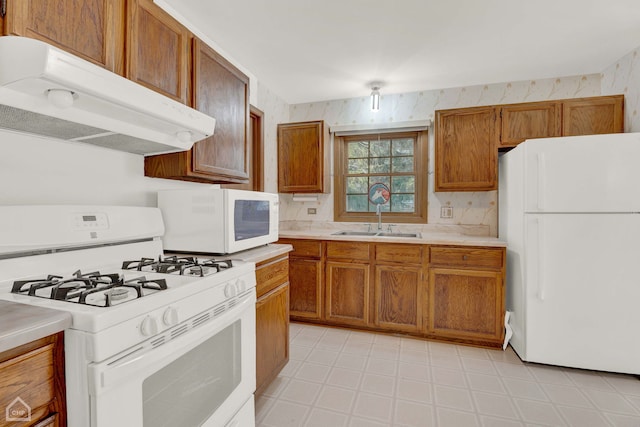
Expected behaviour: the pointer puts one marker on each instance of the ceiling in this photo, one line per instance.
(307, 51)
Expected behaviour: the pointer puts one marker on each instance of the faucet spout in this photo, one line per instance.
(379, 213)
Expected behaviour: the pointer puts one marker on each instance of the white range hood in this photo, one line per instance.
(49, 92)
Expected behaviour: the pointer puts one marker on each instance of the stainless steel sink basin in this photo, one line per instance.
(399, 235)
(376, 234)
(355, 233)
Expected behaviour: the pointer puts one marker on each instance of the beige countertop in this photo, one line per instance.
(427, 238)
(23, 323)
(261, 253)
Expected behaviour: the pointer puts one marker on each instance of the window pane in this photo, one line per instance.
(358, 166)
(403, 202)
(385, 208)
(380, 148)
(358, 149)
(382, 179)
(380, 165)
(403, 184)
(402, 164)
(402, 147)
(357, 203)
(357, 184)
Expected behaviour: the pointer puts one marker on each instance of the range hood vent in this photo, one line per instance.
(48, 92)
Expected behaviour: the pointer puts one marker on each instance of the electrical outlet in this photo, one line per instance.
(446, 212)
(311, 211)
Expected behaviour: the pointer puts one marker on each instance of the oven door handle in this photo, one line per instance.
(141, 361)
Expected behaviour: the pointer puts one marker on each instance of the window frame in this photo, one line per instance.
(340, 168)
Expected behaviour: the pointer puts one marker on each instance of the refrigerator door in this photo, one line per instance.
(596, 173)
(583, 290)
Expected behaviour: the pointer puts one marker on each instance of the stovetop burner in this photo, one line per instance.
(183, 265)
(100, 290)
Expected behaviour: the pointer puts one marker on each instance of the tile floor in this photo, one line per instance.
(340, 378)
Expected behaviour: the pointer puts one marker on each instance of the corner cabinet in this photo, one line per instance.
(272, 319)
(467, 140)
(466, 294)
(93, 30)
(221, 91)
(157, 48)
(306, 278)
(591, 116)
(34, 372)
(301, 157)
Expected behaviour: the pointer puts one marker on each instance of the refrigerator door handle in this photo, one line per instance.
(541, 287)
(542, 182)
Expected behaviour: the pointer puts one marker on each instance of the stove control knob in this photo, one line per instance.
(149, 326)
(242, 285)
(170, 317)
(230, 290)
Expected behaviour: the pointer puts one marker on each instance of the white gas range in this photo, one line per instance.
(155, 340)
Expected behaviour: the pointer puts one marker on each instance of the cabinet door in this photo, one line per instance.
(222, 92)
(306, 285)
(272, 335)
(301, 157)
(90, 29)
(347, 289)
(465, 149)
(398, 298)
(589, 116)
(157, 50)
(530, 120)
(466, 304)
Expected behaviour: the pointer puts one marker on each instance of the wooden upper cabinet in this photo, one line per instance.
(90, 29)
(221, 91)
(466, 158)
(529, 120)
(590, 116)
(157, 49)
(301, 157)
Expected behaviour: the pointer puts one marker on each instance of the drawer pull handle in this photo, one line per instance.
(465, 257)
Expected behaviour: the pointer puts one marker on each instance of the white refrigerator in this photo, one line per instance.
(569, 210)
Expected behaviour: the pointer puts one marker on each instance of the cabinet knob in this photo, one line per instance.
(465, 257)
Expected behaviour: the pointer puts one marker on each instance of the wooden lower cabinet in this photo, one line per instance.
(272, 320)
(453, 293)
(347, 293)
(398, 297)
(34, 372)
(465, 304)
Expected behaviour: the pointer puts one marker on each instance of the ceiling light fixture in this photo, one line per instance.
(375, 97)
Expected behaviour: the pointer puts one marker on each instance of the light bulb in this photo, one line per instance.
(61, 98)
(375, 98)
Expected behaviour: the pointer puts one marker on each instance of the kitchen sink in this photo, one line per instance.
(376, 234)
(355, 233)
(392, 234)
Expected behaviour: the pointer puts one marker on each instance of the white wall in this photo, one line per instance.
(469, 208)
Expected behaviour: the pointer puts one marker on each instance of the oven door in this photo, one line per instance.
(202, 377)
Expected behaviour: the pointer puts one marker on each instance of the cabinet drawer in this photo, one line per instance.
(400, 253)
(348, 250)
(271, 275)
(29, 376)
(467, 257)
(306, 248)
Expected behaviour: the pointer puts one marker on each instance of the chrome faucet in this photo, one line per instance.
(379, 213)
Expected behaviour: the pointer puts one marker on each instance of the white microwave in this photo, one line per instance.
(218, 220)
